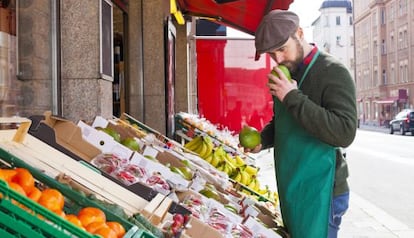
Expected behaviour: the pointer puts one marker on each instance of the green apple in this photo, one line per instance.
(114, 134)
(285, 71)
(131, 143)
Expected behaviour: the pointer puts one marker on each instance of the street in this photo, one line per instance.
(381, 176)
(381, 172)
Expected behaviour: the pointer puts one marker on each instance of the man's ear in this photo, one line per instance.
(299, 33)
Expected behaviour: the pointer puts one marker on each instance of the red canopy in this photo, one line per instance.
(243, 15)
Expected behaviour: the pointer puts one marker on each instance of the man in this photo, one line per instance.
(314, 115)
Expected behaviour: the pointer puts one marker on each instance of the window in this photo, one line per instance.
(350, 21)
(405, 39)
(383, 48)
(405, 73)
(383, 20)
(338, 20)
(28, 63)
(402, 73)
(384, 77)
(402, 7)
(338, 41)
(392, 74)
(400, 40)
(327, 21)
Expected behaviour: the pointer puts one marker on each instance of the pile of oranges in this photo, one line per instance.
(90, 219)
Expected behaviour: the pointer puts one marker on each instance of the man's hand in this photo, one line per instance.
(256, 149)
(280, 86)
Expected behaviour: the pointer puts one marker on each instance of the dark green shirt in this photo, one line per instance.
(325, 106)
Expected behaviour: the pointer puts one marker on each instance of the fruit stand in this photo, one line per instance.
(149, 184)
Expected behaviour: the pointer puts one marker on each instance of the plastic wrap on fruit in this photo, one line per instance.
(218, 220)
(242, 231)
(126, 177)
(135, 170)
(158, 183)
(109, 162)
(175, 227)
(105, 163)
(195, 205)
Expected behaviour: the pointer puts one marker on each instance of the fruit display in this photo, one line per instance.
(233, 165)
(216, 187)
(194, 125)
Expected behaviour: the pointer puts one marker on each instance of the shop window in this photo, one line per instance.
(119, 85)
(28, 63)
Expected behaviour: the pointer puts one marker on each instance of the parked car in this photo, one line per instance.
(403, 122)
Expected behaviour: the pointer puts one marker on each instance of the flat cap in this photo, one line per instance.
(274, 30)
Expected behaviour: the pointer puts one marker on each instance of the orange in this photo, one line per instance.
(94, 226)
(105, 232)
(60, 213)
(16, 187)
(91, 214)
(52, 199)
(117, 227)
(7, 174)
(24, 178)
(34, 194)
(73, 219)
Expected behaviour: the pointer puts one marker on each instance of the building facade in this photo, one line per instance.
(80, 59)
(333, 31)
(384, 51)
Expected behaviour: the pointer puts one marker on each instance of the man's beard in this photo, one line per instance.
(293, 65)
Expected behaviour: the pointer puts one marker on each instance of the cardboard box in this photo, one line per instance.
(258, 228)
(69, 136)
(200, 229)
(104, 141)
(124, 130)
(168, 158)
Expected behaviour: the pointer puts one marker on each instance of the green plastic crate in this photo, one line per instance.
(74, 200)
(143, 234)
(17, 222)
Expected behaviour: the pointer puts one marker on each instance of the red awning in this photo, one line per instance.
(244, 15)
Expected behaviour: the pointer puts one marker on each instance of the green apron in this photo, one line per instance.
(305, 170)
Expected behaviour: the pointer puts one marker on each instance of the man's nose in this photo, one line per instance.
(278, 56)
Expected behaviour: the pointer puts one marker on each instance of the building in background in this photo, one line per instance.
(333, 31)
(383, 58)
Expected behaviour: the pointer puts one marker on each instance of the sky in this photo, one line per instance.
(307, 10)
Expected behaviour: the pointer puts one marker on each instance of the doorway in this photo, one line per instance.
(119, 85)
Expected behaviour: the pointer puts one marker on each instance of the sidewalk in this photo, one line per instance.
(365, 220)
(362, 220)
